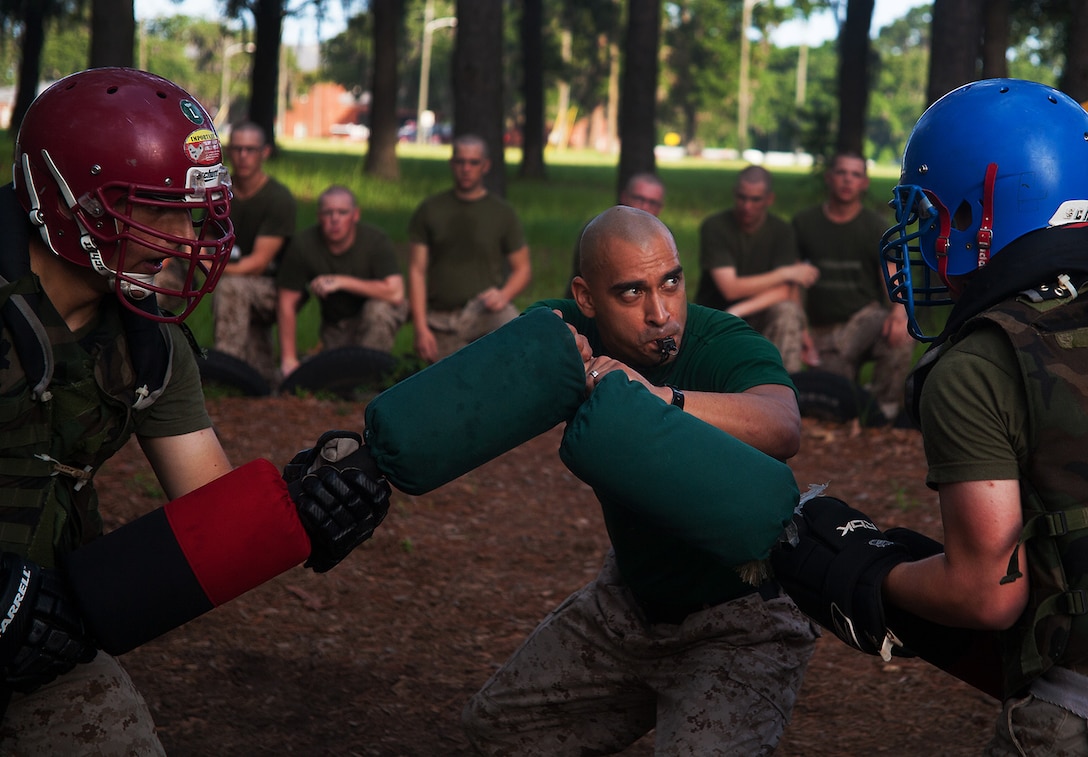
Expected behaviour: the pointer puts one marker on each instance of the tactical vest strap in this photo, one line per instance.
(20, 498)
(23, 437)
(24, 467)
(1057, 523)
(1049, 524)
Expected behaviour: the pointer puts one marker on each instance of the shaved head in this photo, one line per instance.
(618, 225)
(632, 284)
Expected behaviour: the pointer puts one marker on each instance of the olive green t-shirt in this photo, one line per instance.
(371, 256)
(974, 413)
(848, 256)
(719, 352)
(722, 244)
(180, 409)
(468, 242)
(268, 213)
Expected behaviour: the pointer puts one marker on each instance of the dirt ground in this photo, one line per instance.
(378, 656)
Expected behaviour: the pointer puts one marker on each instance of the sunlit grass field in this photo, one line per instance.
(579, 184)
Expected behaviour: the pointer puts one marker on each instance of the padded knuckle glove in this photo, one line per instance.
(340, 494)
(834, 572)
(42, 634)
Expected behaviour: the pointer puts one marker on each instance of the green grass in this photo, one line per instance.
(579, 184)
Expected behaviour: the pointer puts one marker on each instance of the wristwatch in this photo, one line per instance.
(677, 396)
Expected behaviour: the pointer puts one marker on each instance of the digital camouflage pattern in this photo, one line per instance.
(1051, 342)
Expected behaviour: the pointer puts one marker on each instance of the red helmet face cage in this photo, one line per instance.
(103, 157)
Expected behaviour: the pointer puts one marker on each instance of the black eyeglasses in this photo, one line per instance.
(467, 161)
(643, 200)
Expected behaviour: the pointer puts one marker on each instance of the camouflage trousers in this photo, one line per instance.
(845, 347)
(784, 325)
(1033, 726)
(375, 326)
(93, 710)
(453, 329)
(245, 312)
(594, 677)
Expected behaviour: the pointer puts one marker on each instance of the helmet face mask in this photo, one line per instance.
(910, 281)
(986, 164)
(104, 158)
(128, 227)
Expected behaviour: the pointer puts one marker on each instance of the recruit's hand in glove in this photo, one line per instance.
(340, 494)
(42, 634)
(835, 569)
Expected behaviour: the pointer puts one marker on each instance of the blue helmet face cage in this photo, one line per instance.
(910, 282)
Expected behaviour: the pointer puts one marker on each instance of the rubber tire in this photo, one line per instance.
(830, 397)
(219, 368)
(346, 372)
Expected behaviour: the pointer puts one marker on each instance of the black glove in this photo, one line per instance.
(340, 494)
(41, 632)
(834, 571)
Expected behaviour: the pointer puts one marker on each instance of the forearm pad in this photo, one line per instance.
(195, 553)
(485, 399)
(718, 494)
(970, 655)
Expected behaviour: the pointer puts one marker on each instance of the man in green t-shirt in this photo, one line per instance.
(664, 638)
(467, 258)
(263, 213)
(750, 268)
(849, 318)
(351, 267)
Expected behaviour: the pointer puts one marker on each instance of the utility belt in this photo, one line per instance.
(1064, 688)
(675, 614)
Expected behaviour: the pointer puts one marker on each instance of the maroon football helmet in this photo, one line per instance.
(100, 144)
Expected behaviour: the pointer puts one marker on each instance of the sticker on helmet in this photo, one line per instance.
(192, 111)
(203, 148)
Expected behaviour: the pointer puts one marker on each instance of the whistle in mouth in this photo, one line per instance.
(668, 347)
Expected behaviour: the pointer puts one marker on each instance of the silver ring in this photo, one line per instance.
(594, 374)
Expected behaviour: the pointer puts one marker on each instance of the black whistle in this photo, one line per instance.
(668, 348)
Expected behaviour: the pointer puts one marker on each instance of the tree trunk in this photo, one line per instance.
(1074, 81)
(638, 98)
(854, 76)
(560, 133)
(995, 39)
(956, 34)
(381, 155)
(264, 79)
(532, 66)
(30, 62)
(612, 110)
(113, 33)
(477, 81)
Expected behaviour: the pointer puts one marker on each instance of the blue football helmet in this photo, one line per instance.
(985, 164)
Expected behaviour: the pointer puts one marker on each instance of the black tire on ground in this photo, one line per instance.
(831, 397)
(221, 369)
(346, 372)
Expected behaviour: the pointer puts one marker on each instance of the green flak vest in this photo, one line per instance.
(1050, 337)
(65, 406)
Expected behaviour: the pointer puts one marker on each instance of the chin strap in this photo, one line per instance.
(942, 243)
(985, 236)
